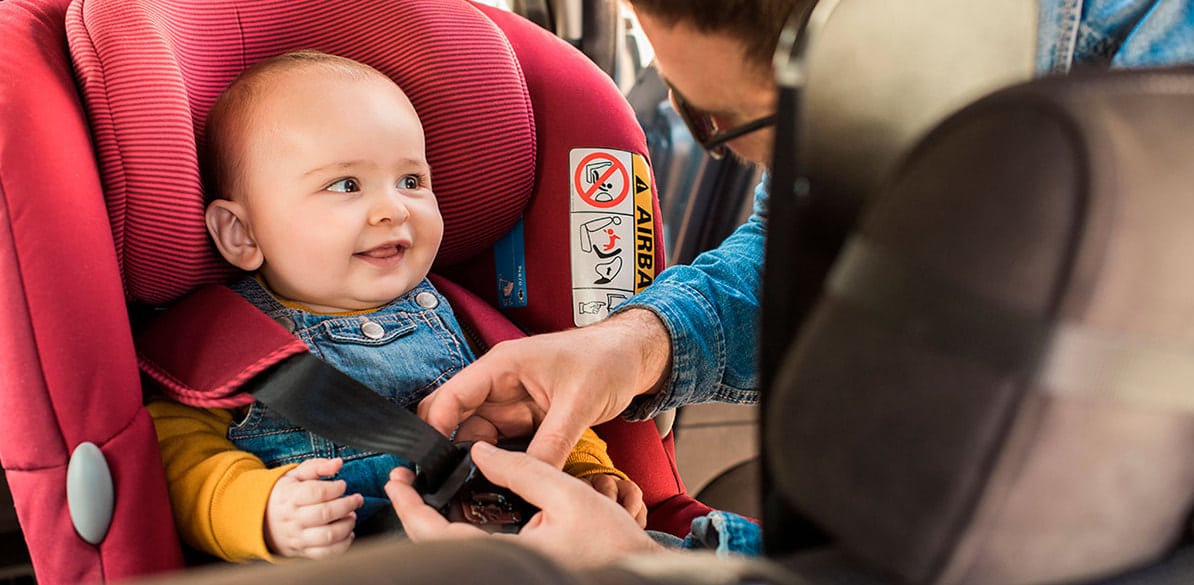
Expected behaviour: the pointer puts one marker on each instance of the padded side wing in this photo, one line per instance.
(577, 106)
(67, 370)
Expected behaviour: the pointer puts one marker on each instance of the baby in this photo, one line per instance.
(325, 199)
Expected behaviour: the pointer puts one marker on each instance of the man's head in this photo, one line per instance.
(717, 54)
(322, 182)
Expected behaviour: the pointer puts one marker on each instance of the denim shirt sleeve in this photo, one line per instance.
(1163, 36)
(711, 311)
(725, 533)
(1116, 33)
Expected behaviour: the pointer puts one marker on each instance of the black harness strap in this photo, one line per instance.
(320, 398)
(214, 349)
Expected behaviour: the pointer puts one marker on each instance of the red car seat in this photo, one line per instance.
(101, 203)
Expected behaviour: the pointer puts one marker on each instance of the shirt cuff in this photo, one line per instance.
(697, 341)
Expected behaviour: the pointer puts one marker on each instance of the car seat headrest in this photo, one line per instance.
(872, 88)
(150, 70)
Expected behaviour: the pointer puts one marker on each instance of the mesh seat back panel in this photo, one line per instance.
(993, 387)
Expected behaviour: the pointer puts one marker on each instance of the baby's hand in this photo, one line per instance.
(307, 516)
(624, 492)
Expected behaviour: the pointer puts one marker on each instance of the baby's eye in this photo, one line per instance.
(409, 182)
(348, 185)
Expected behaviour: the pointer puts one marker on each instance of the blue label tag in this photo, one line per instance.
(509, 258)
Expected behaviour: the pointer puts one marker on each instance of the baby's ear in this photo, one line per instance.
(233, 238)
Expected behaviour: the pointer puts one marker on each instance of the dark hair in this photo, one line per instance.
(756, 23)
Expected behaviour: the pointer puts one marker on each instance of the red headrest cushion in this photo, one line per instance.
(150, 70)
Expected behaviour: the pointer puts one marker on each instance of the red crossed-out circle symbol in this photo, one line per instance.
(591, 193)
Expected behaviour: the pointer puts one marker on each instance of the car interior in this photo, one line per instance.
(975, 330)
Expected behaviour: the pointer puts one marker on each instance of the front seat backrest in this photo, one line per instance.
(995, 386)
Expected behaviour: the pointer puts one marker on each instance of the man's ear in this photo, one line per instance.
(225, 223)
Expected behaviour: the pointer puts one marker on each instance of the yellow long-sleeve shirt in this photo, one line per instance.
(218, 493)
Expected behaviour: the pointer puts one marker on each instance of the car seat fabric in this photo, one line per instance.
(148, 72)
(67, 373)
(995, 386)
(565, 94)
(575, 105)
(208, 345)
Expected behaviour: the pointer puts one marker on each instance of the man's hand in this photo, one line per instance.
(623, 491)
(575, 526)
(307, 516)
(561, 383)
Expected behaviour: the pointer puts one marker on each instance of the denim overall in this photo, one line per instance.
(403, 351)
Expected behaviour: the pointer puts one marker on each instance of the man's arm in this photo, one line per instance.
(561, 383)
(710, 309)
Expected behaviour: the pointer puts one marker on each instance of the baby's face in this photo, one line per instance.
(337, 191)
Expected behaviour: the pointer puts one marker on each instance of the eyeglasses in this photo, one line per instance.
(705, 131)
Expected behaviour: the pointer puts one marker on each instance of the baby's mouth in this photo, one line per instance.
(384, 252)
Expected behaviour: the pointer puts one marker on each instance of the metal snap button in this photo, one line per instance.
(372, 330)
(427, 300)
(286, 322)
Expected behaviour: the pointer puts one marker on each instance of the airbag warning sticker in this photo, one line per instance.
(613, 230)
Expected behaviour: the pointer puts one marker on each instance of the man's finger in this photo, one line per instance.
(515, 418)
(477, 429)
(420, 521)
(557, 435)
(536, 481)
(443, 410)
(457, 399)
(403, 474)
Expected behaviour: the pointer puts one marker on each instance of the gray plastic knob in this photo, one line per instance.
(89, 492)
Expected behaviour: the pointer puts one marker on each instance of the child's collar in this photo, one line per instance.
(301, 307)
